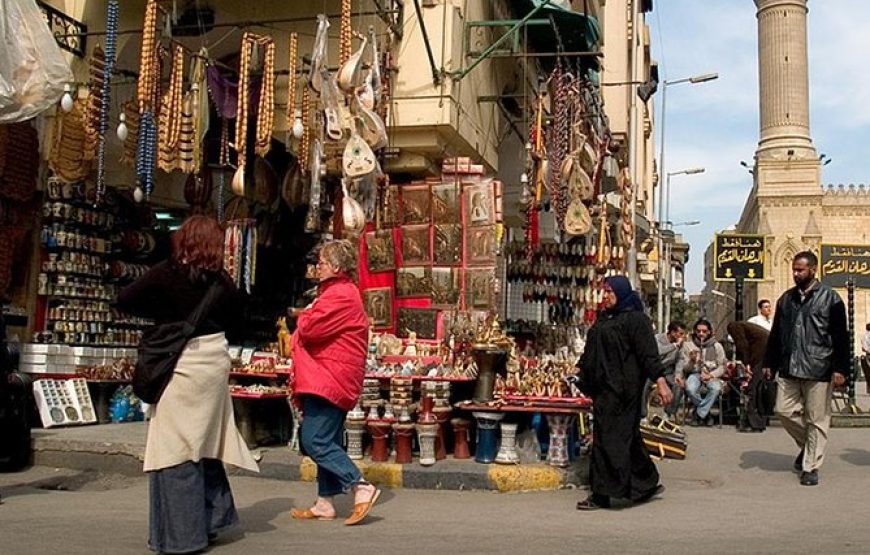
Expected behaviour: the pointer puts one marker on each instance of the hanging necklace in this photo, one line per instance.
(292, 53)
(266, 109)
(169, 130)
(265, 117)
(149, 75)
(111, 46)
(345, 34)
(305, 143)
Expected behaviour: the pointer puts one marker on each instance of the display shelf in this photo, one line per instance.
(78, 297)
(398, 359)
(378, 376)
(90, 275)
(243, 395)
(269, 375)
(66, 248)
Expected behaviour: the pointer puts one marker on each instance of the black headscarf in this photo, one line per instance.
(626, 297)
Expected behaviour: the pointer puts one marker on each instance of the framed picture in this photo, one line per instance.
(422, 321)
(479, 205)
(415, 281)
(480, 245)
(379, 306)
(389, 209)
(416, 205)
(415, 245)
(479, 288)
(446, 287)
(445, 203)
(380, 251)
(447, 244)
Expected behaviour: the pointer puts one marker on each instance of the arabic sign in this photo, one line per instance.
(839, 262)
(738, 256)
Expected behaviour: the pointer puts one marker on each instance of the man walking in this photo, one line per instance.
(808, 352)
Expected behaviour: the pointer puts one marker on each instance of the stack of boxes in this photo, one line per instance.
(42, 358)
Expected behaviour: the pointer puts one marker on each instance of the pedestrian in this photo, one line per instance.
(192, 431)
(329, 352)
(620, 355)
(865, 358)
(750, 343)
(808, 353)
(763, 318)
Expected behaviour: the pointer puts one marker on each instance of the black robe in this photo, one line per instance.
(620, 355)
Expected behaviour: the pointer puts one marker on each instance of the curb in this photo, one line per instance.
(279, 463)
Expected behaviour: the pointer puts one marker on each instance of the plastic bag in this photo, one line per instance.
(33, 70)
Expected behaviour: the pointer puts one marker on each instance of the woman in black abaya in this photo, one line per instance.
(620, 355)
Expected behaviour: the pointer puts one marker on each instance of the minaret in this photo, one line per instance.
(786, 160)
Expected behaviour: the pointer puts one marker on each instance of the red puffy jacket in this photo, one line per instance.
(330, 344)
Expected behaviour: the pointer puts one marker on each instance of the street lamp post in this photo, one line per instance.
(701, 78)
(669, 266)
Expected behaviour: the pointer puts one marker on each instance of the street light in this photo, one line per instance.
(695, 79)
(667, 205)
(668, 240)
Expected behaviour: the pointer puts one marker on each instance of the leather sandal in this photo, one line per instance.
(308, 514)
(361, 510)
(593, 503)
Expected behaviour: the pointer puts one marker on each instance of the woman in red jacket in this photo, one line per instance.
(329, 351)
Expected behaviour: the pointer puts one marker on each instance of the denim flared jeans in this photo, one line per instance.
(321, 436)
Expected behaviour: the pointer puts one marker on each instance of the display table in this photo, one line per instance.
(559, 412)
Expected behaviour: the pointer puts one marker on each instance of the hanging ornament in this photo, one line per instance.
(111, 46)
(66, 101)
(138, 195)
(298, 128)
(122, 130)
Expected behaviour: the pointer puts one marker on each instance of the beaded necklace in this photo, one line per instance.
(345, 34)
(111, 47)
(265, 116)
(170, 114)
(305, 143)
(292, 53)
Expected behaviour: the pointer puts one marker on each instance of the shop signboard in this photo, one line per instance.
(738, 256)
(841, 262)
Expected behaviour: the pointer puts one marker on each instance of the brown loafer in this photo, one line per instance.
(308, 514)
(361, 510)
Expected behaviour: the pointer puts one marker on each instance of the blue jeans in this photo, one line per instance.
(320, 434)
(693, 390)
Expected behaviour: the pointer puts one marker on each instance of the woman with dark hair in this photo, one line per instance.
(619, 357)
(192, 431)
(329, 353)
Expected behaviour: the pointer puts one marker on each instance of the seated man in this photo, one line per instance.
(701, 363)
(669, 344)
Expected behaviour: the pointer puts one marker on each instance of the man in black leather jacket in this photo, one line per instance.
(808, 352)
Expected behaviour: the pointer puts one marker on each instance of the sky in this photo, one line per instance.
(714, 125)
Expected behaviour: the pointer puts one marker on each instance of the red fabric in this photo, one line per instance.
(330, 344)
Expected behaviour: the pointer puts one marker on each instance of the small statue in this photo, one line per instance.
(411, 348)
(284, 344)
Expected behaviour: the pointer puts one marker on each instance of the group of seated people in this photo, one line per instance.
(696, 364)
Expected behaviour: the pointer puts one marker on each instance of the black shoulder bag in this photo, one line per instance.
(161, 347)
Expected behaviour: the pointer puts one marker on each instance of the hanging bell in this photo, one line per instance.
(66, 101)
(122, 130)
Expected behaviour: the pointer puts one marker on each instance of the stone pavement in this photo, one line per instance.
(735, 494)
(119, 448)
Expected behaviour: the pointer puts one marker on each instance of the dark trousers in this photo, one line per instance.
(321, 434)
(189, 502)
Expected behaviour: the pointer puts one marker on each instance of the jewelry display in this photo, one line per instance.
(240, 248)
(292, 62)
(149, 64)
(265, 115)
(345, 34)
(94, 103)
(67, 154)
(105, 100)
(131, 118)
(170, 113)
(63, 402)
(305, 142)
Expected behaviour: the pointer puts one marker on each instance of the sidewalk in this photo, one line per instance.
(119, 448)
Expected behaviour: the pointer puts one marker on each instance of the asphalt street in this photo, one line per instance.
(736, 493)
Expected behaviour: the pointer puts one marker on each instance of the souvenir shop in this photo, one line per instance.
(476, 316)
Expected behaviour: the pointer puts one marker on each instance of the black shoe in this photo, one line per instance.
(594, 502)
(810, 478)
(695, 421)
(799, 462)
(709, 421)
(644, 497)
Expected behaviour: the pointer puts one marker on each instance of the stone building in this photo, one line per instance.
(787, 203)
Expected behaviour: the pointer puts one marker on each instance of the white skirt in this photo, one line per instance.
(194, 418)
